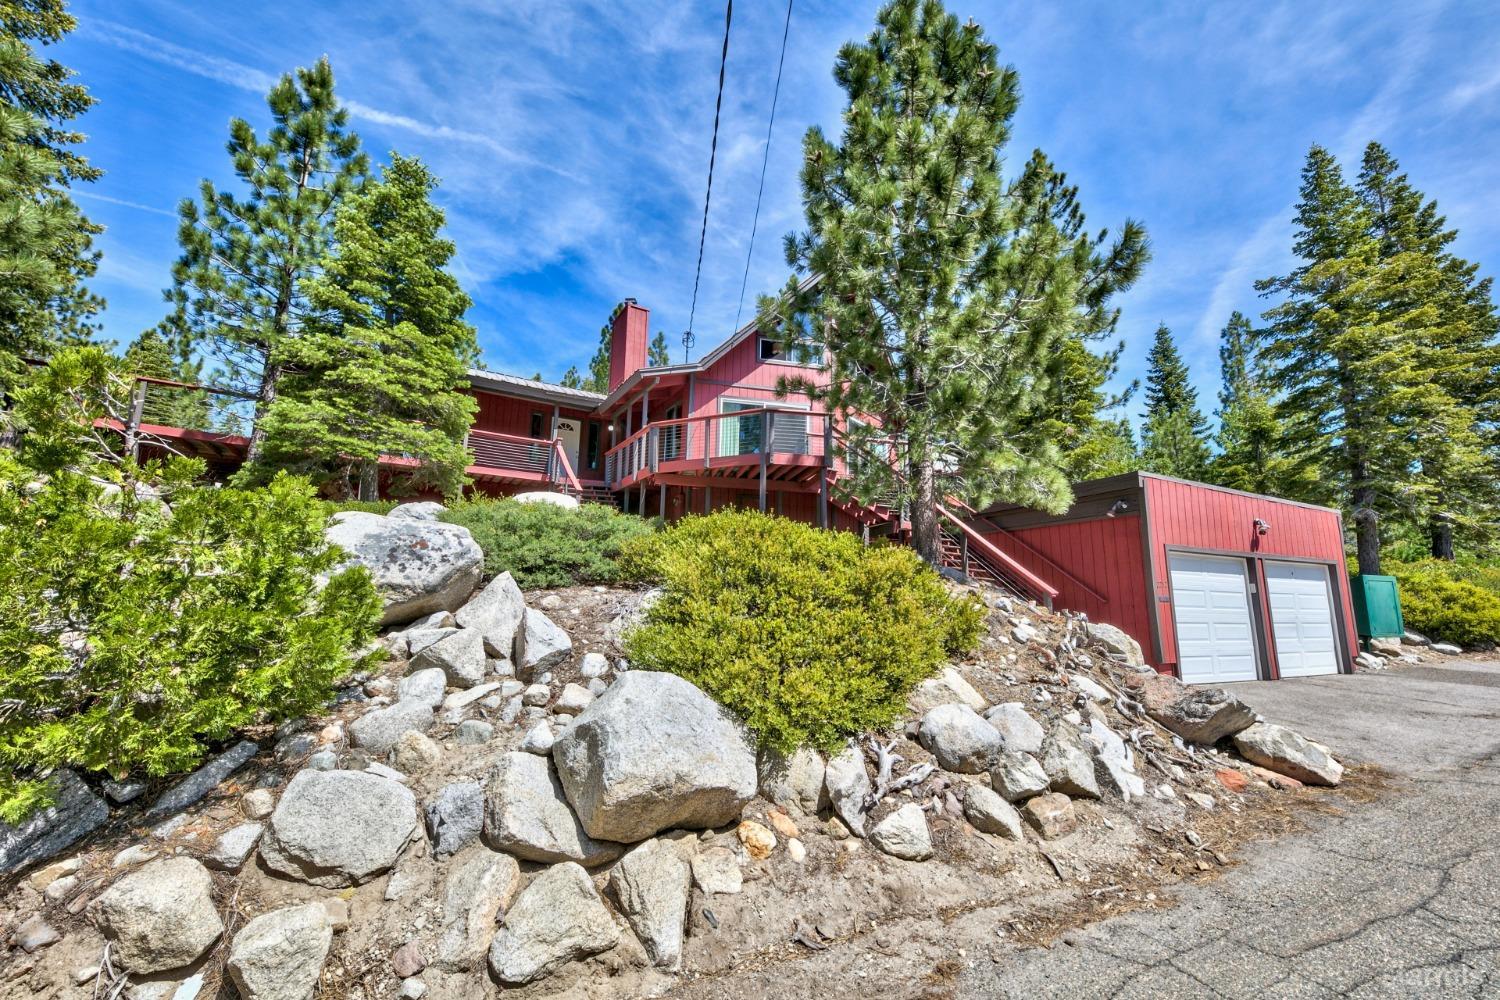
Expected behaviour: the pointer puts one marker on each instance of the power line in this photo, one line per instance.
(765, 158)
(713, 151)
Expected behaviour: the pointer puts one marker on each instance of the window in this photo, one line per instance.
(742, 435)
(772, 350)
(536, 424)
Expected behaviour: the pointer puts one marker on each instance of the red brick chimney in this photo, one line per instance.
(628, 340)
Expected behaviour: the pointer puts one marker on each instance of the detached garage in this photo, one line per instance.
(1215, 584)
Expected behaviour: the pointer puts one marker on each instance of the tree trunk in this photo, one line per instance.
(1366, 524)
(264, 397)
(925, 536)
(369, 480)
(1440, 530)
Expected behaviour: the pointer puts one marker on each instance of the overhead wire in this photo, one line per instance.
(764, 160)
(713, 151)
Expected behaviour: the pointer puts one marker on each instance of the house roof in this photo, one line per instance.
(527, 388)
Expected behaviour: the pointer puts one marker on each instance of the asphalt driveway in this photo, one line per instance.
(1395, 898)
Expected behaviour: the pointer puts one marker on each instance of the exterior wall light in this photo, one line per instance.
(1118, 507)
(1261, 527)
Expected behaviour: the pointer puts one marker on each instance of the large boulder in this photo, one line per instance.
(848, 785)
(279, 955)
(421, 510)
(338, 828)
(947, 687)
(904, 834)
(1017, 776)
(1065, 759)
(990, 813)
(480, 885)
(654, 752)
(1021, 733)
(1198, 715)
(418, 566)
(557, 919)
(959, 738)
(652, 884)
(562, 500)
(459, 656)
(540, 643)
(1117, 641)
(455, 817)
(190, 790)
(74, 813)
(526, 814)
(496, 612)
(1115, 763)
(161, 916)
(1279, 749)
(797, 780)
(378, 731)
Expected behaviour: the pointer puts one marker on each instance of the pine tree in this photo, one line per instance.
(381, 366)
(152, 354)
(1174, 441)
(944, 292)
(1346, 354)
(1252, 453)
(46, 248)
(238, 287)
(571, 378)
(658, 356)
(1460, 443)
(1077, 407)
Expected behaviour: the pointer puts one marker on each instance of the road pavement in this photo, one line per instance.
(1399, 897)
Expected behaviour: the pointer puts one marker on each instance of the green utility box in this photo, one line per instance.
(1377, 607)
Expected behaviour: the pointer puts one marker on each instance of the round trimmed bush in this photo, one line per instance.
(807, 635)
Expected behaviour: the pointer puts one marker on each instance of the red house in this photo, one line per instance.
(1216, 585)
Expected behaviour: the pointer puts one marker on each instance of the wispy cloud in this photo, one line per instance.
(160, 50)
(96, 196)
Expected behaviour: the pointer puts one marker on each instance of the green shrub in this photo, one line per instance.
(1437, 602)
(364, 506)
(133, 636)
(543, 545)
(135, 633)
(807, 635)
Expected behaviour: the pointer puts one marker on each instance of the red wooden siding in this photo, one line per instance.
(740, 374)
(507, 415)
(1192, 516)
(1086, 561)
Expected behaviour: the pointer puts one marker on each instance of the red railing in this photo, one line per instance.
(1001, 565)
(741, 437)
(546, 457)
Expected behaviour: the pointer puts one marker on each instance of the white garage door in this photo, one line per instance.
(1215, 640)
(1302, 619)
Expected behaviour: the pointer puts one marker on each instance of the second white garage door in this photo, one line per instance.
(1211, 606)
(1301, 618)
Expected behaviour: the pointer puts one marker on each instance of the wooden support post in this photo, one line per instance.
(641, 501)
(708, 499)
(661, 500)
(133, 426)
(765, 453)
(826, 471)
(964, 541)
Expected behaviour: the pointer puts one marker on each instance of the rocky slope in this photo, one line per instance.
(508, 806)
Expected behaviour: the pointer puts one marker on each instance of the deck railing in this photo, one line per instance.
(705, 440)
(546, 457)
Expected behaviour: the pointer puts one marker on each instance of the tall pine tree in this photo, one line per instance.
(944, 292)
(1174, 440)
(1253, 453)
(1458, 442)
(238, 285)
(380, 367)
(1347, 354)
(46, 249)
(152, 354)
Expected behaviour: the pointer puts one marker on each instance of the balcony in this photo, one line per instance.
(790, 448)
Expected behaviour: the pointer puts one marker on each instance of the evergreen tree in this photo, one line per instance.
(238, 287)
(944, 292)
(151, 354)
(571, 378)
(46, 248)
(1458, 443)
(1347, 354)
(381, 366)
(1252, 444)
(658, 356)
(1174, 441)
(1077, 407)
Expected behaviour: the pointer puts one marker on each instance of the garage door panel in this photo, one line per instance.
(1211, 610)
(1302, 622)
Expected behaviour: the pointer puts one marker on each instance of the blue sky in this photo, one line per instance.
(572, 137)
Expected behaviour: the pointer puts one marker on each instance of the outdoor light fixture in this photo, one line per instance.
(1261, 527)
(1118, 507)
